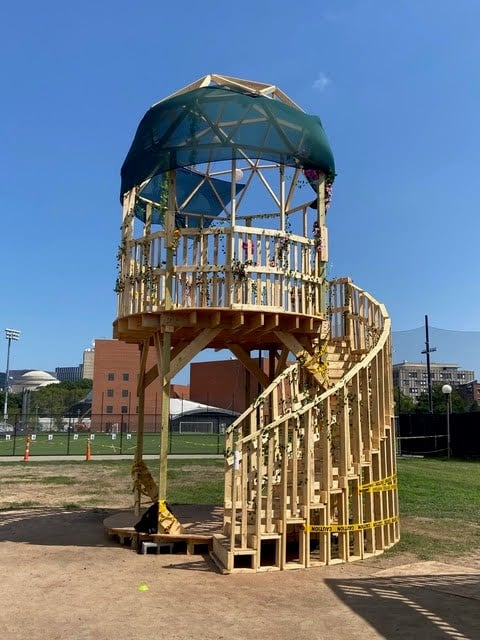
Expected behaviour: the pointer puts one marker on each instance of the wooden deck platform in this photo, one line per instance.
(200, 523)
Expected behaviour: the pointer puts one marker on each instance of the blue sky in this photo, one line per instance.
(395, 84)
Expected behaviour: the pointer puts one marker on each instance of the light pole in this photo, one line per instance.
(10, 334)
(447, 390)
(428, 351)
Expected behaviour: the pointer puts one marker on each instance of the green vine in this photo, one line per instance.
(120, 280)
(240, 274)
(239, 270)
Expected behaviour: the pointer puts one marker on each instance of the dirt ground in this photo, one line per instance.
(62, 578)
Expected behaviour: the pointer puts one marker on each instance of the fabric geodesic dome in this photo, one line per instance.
(212, 124)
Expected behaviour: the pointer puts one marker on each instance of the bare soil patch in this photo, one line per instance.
(62, 578)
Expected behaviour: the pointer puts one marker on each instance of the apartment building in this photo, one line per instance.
(412, 377)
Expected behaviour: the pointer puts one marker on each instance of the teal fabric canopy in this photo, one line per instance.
(217, 123)
(207, 199)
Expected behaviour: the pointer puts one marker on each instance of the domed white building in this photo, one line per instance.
(33, 380)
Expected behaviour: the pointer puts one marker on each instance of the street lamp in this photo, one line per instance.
(447, 390)
(10, 334)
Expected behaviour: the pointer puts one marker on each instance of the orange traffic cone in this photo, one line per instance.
(88, 455)
(26, 455)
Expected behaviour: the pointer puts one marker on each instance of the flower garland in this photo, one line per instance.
(283, 251)
(239, 269)
(317, 237)
(313, 176)
(175, 240)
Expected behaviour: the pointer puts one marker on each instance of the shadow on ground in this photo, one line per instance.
(416, 606)
(79, 527)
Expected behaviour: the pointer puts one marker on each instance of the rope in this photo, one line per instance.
(143, 481)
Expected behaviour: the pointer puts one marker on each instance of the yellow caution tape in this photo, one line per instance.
(380, 487)
(342, 528)
(384, 484)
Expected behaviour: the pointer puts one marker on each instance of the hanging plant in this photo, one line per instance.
(240, 275)
(313, 176)
(317, 237)
(164, 193)
(120, 280)
(175, 240)
(283, 251)
(239, 269)
(119, 284)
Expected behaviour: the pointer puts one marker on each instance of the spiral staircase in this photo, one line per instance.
(310, 465)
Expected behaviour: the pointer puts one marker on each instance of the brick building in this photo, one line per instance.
(223, 383)
(114, 391)
(470, 391)
(115, 378)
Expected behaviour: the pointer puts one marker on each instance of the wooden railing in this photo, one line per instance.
(300, 455)
(223, 267)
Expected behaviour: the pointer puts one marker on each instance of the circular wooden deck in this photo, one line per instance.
(252, 328)
(200, 523)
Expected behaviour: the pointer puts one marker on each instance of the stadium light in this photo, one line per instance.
(447, 390)
(10, 334)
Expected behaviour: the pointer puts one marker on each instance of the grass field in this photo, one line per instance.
(439, 499)
(439, 507)
(103, 483)
(105, 443)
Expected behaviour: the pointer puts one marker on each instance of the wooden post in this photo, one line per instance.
(167, 339)
(165, 414)
(322, 266)
(282, 199)
(123, 255)
(140, 428)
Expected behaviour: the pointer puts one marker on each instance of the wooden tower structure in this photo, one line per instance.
(224, 245)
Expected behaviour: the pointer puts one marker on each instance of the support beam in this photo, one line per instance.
(292, 344)
(282, 361)
(199, 343)
(151, 375)
(311, 358)
(140, 429)
(250, 364)
(164, 346)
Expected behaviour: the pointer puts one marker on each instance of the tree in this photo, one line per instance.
(52, 401)
(439, 400)
(403, 403)
(14, 406)
(474, 406)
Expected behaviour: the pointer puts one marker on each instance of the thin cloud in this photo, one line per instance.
(321, 82)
